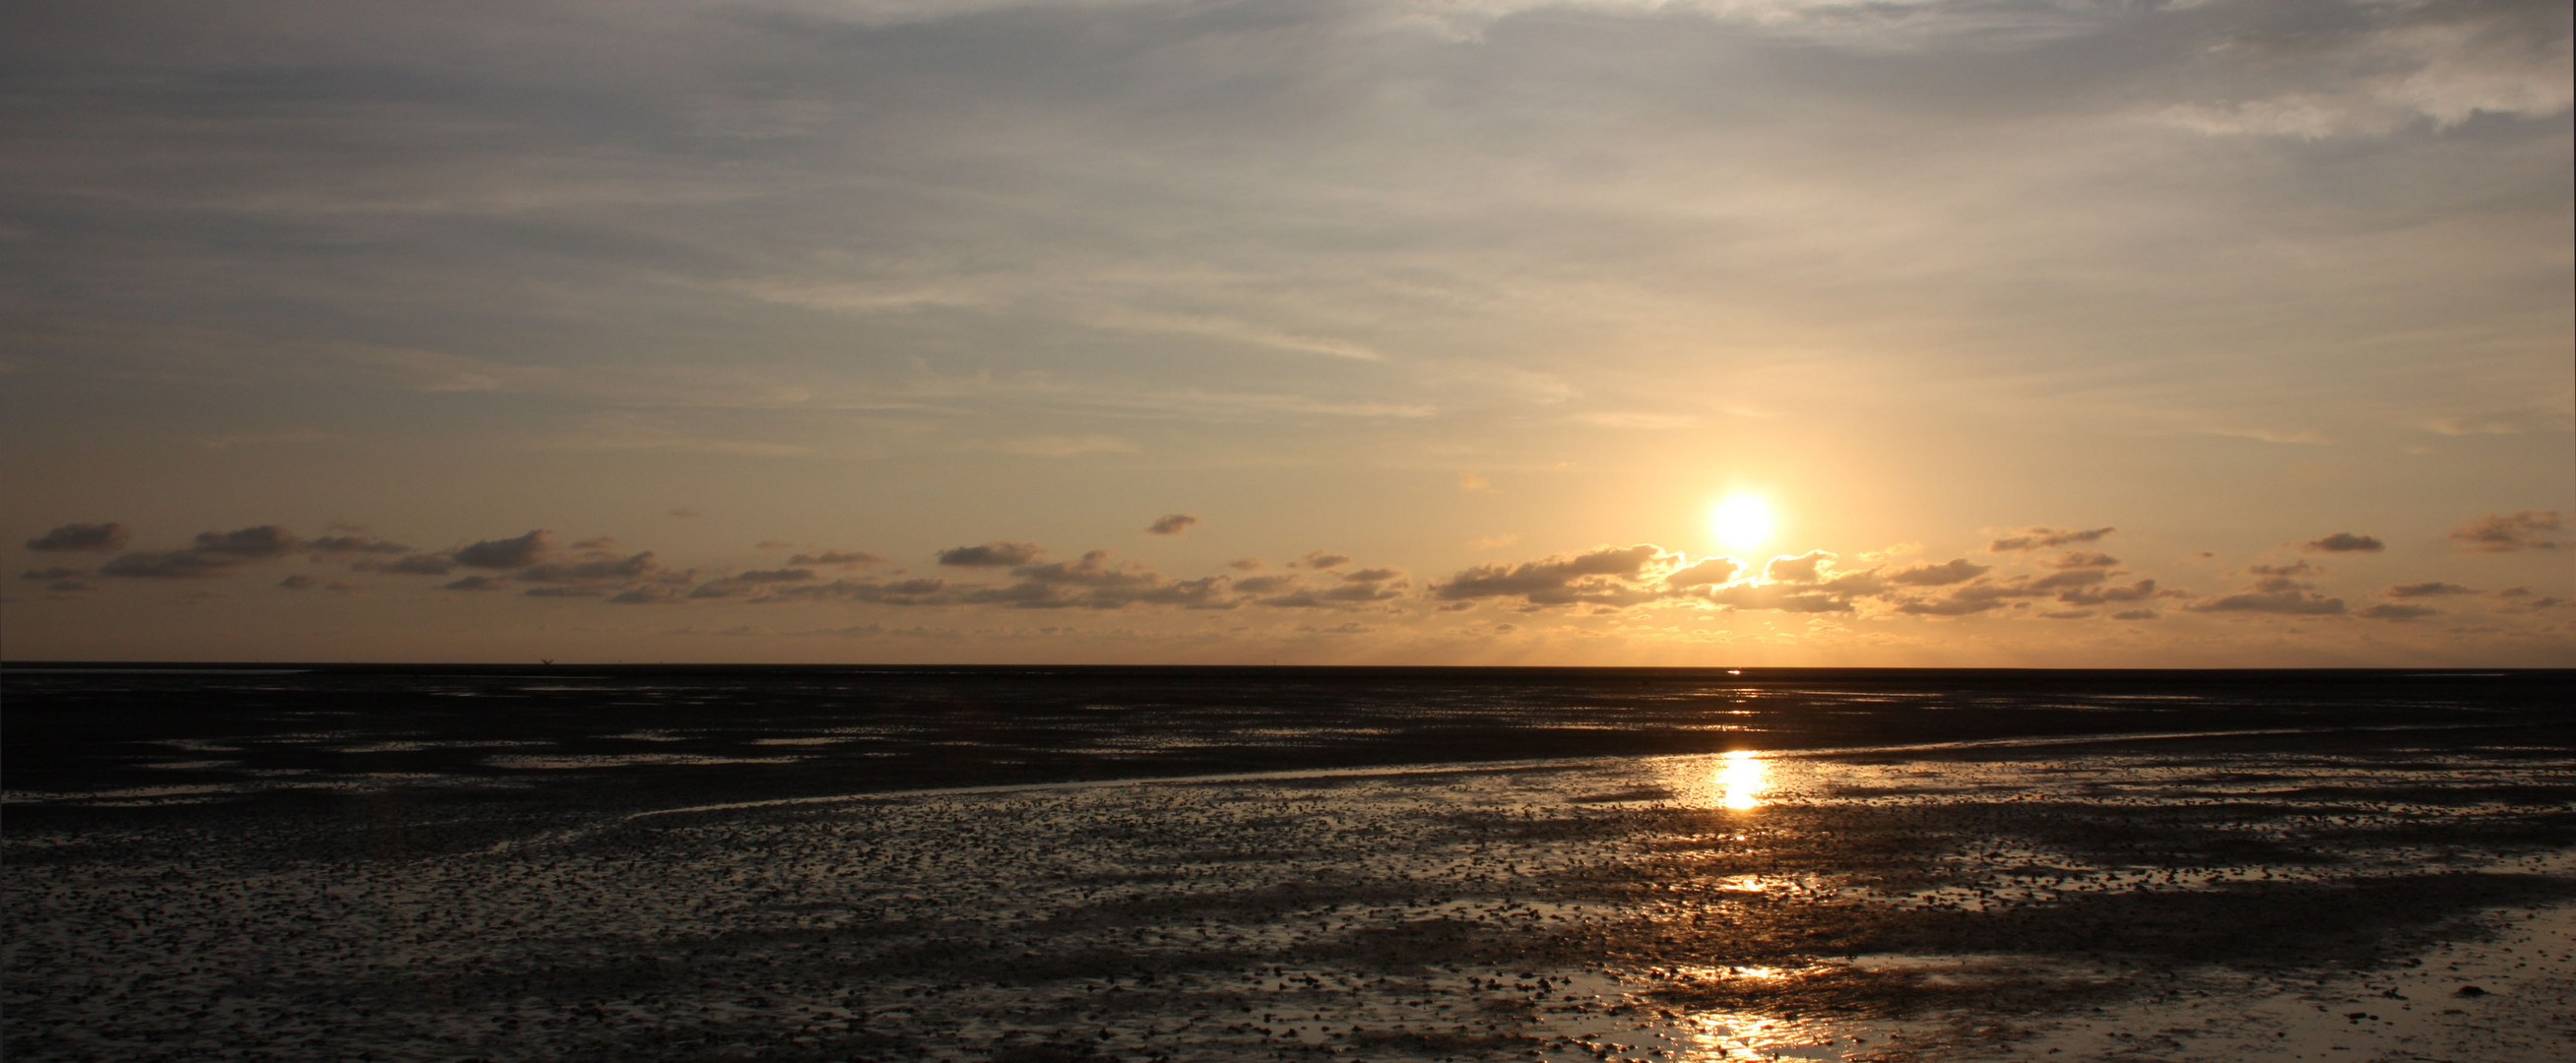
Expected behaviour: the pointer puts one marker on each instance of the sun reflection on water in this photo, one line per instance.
(1742, 779)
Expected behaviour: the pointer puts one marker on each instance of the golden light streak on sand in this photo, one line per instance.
(1742, 780)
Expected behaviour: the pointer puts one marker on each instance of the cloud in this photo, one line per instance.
(1245, 564)
(2042, 538)
(917, 591)
(213, 554)
(52, 574)
(1320, 559)
(1804, 568)
(750, 582)
(2288, 600)
(1357, 588)
(603, 570)
(2343, 543)
(478, 583)
(299, 582)
(2081, 559)
(2140, 591)
(415, 565)
(1709, 572)
(2376, 68)
(2497, 534)
(1785, 597)
(1958, 570)
(82, 538)
(353, 544)
(506, 553)
(842, 558)
(2427, 590)
(1171, 524)
(2399, 612)
(996, 554)
(264, 541)
(684, 512)
(2134, 614)
(1611, 575)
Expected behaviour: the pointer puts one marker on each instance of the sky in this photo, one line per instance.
(1601, 332)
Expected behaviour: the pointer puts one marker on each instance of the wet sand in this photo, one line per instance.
(2365, 894)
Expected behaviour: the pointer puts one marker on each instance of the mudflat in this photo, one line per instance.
(1199, 864)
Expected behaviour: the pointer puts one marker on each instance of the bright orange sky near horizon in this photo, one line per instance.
(1586, 332)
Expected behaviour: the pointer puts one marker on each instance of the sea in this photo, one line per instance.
(403, 862)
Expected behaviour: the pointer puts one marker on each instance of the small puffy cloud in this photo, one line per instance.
(264, 541)
(1785, 597)
(2504, 533)
(2140, 591)
(1611, 575)
(506, 553)
(1713, 571)
(2288, 601)
(2042, 538)
(478, 583)
(603, 570)
(1359, 587)
(1957, 570)
(299, 583)
(1321, 559)
(2427, 590)
(82, 538)
(1955, 606)
(576, 591)
(773, 544)
(1171, 524)
(168, 564)
(2343, 543)
(2134, 614)
(2291, 576)
(1245, 564)
(842, 558)
(1805, 568)
(918, 591)
(415, 565)
(2081, 559)
(751, 582)
(996, 554)
(2068, 614)
(2398, 612)
(343, 545)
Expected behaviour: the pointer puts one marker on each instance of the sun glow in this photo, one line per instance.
(1740, 781)
(1742, 522)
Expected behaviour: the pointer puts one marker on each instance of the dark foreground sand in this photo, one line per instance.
(2383, 895)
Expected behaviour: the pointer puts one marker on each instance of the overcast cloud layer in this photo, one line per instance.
(987, 330)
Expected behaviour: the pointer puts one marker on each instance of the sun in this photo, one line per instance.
(1743, 522)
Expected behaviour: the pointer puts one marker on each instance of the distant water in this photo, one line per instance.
(140, 735)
